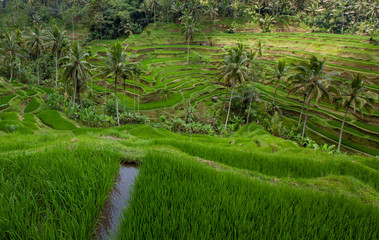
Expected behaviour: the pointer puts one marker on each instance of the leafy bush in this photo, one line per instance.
(11, 128)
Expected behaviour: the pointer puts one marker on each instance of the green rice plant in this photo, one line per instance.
(283, 164)
(179, 198)
(54, 120)
(56, 193)
(30, 92)
(32, 106)
(6, 99)
(372, 151)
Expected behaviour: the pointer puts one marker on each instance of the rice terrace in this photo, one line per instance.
(189, 119)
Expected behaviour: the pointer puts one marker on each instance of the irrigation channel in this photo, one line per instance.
(117, 202)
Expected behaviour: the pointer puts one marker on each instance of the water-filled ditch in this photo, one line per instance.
(116, 202)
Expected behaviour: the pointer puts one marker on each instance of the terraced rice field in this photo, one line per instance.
(163, 55)
(249, 184)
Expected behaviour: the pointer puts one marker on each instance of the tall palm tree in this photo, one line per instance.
(189, 31)
(116, 65)
(10, 48)
(76, 69)
(154, 4)
(280, 71)
(165, 94)
(254, 69)
(233, 70)
(36, 42)
(57, 39)
(211, 11)
(356, 97)
(258, 49)
(312, 80)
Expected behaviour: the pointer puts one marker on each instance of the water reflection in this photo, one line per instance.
(117, 201)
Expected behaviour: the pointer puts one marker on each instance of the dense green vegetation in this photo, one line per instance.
(248, 119)
(204, 186)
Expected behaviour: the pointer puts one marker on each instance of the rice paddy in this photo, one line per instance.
(163, 55)
(56, 175)
(55, 183)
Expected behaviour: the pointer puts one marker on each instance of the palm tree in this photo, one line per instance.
(233, 70)
(154, 4)
(189, 31)
(165, 94)
(116, 65)
(10, 48)
(57, 39)
(313, 81)
(36, 42)
(355, 96)
(254, 69)
(258, 49)
(280, 71)
(212, 12)
(76, 68)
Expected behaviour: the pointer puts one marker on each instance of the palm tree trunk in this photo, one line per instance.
(301, 113)
(56, 68)
(276, 88)
(115, 92)
(343, 123)
(306, 117)
(134, 100)
(188, 51)
(73, 29)
(230, 104)
(10, 80)
(38, 72)
(75, 84)
(251, 103)
(226, 95)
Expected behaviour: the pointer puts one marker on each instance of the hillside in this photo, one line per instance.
(188, 186)
(163, 55)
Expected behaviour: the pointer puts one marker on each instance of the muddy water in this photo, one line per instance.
(117, 202)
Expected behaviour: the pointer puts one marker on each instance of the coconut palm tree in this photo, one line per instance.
(312, 80)
(258, 49)
(356, 97)
(211, 11)
(254, 71)
(10, 48)
(154, 4)
(280, 71)
(189, 31)
(165, 94)
(116, 65)
(36, 42)
(76, 69)
(233, 70)
(57, 39)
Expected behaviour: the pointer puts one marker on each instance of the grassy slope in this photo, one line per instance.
(204, 187)
(164, 60)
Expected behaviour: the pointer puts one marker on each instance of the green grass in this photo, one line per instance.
(30, 92)
(182, 199)
(6, 99)
(56, 193)
(54, 120)
(202, 187)
(32, 106)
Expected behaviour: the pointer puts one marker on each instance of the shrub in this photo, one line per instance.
(11, 128)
